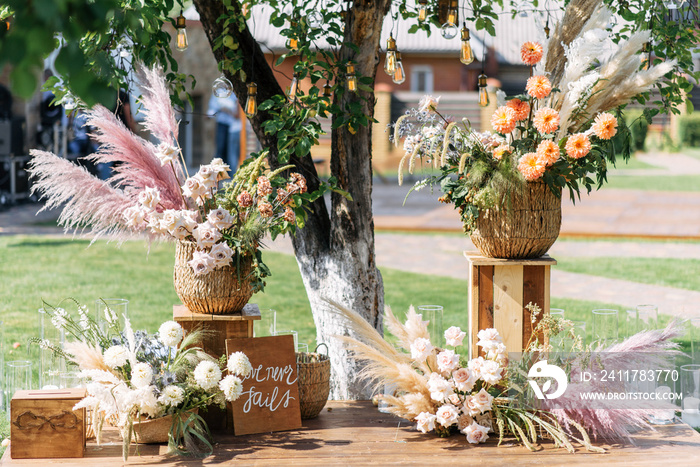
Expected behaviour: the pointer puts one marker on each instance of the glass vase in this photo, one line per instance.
(433, 314)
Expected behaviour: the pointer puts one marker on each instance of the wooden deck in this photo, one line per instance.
(355, 433)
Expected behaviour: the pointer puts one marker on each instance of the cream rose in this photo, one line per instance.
(482, 400)
(195, 189)
(447, 361)
(425, 422)
(420, 349)
(463, 379)
(221, 168)
(447, 415)
(222, 254)
(476, 433)
(149, 197)
(206, 235)
(166, 153)
(440, 389)
(201, 262)
(220, 218)
(454, 336)
(490, 372)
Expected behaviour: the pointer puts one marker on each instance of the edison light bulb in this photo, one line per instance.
(251, 104)
(314, 19)
(327, 91)
(350, 77)
(181, 42)
(292, 42)
(293, 87)
(399, 75)
(452, 16)
(466, 54)
(390, 61)
(449, 30)
(222, 87)
(483, 93)
(422, 10)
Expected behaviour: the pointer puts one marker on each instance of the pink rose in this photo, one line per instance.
(420, 349)
(220, 218)
(464, 379)
(454, 336)
(201, 263)
(447, 361)
(482, 400)
(447, 415)
(476, 433)
(206, 235)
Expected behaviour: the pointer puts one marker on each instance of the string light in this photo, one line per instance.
(422, 10)
(350, 77)
(251, 104)
(222, 87)
(452, 13)
(399, 74)
(390, 60)
(181, 26)
(483, 92)
(449, 29)
(466, 55)
(292, 42)
(327, 92)
(314, 19)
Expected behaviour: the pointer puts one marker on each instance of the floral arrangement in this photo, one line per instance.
(559, 132)
(132, 375)
(151, 191)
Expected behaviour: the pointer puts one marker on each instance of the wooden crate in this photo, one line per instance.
(222, 327)
(499, 289)
(44, 424)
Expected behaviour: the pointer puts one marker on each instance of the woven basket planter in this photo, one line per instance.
(314, 370)
(156, 430)
(526, 226)
(218, 292)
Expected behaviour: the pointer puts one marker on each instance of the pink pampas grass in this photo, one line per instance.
(86, 201)
(160, 116)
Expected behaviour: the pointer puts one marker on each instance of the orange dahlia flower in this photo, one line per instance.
(521, 108)
(531, 53)
(500, 151)
(577, 146)
(538, 86)
(546, 120)
(605, 126)
(548, 151)
(503, 120)
(531, 166)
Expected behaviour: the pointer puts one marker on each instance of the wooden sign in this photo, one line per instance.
(270, 399)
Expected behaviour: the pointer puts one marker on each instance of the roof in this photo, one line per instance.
(510, 35)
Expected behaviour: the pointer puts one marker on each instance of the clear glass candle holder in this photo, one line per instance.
(556, 313)
(690, 389)
(433, 314)
(605, 326)
(111, 311)
(51, 364)
(267, 325)
(18, 377)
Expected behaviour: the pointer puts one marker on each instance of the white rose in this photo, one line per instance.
(232, 387)
(482, 400)
(206, 235)
(238, 364)
(447, 361)
(222, 254)
(440, 389)
(180, 231)
(149, 197)
(220, 218)
(488, 338)
(135, 217)
(425, 422)
(221, 168)
(454, 336)
(499, 354)
(471, 406)
(155, 222)
(168, 219)
(166, 153)
(447, 415)
(420, 349)
(201, 262)
(464, 379)
(207, 375)
(475, 365)
(194, 189)
(454, 399)
(476, 433)
(170, 333)
(490, 372)
(207, 179)
(141, 375)
(115, 356)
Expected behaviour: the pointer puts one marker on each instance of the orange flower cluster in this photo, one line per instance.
(546, 120)
(548, 152)
(500, 151)
(605, 126)
(503, 120)
(531, 53)
(538, 86)
(531, 166)
(577, 146)
(521, 108)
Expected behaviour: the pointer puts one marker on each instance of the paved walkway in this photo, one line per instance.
(671, 216)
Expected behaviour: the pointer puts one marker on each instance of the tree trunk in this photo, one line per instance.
(335, 250)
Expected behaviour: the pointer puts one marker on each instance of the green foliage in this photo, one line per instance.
(689, 130)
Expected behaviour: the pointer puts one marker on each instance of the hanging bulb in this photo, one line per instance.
(466, 55)
(292, 42)
(449, 30)
(181, 43)
(292, 91)
(452, 13)
(251, 104)
(390, 60)
(350, 77)
(222, 87)
(546, 28)
(422, 10)
(327, 91)
(399, 74)
(314, 19)
(483, 93)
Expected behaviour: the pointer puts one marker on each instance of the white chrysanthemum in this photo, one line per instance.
(207, 375)
(172, 395)
(116, 356)
(141, 375)
(232, 387)
(170, 333)
(238, 364)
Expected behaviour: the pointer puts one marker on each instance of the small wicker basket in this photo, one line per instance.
(218, 292)
(314, 370)
(526, 227)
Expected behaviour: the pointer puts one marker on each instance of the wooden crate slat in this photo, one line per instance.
(485, 300)
(533, 292)
(473, 307)
(508, 305)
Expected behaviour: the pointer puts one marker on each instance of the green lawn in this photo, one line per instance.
(654, 183)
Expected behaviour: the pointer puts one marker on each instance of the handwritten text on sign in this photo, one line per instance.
(270, 400)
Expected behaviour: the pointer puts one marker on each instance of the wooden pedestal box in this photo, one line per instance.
(499, 290)
(44, 424)
(221, 327)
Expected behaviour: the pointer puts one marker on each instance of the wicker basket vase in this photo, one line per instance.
(314, 370)
(156, 430)
(526, 227)
(218, 292)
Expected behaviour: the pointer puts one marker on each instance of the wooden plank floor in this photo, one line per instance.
(355, 433)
